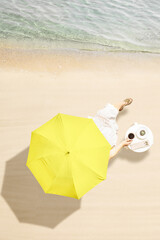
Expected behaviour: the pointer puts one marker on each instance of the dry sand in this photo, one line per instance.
(33, 89)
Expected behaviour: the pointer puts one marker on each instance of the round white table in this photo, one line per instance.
(140, 143)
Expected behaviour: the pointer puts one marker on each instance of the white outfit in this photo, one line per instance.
(105, 119)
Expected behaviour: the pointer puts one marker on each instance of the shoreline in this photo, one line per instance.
(71, 46)
(64, 60)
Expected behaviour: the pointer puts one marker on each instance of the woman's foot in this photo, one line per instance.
(126, 102)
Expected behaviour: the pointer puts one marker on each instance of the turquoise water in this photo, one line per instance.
(117, 25)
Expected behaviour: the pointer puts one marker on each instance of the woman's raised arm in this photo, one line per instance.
(117, 148)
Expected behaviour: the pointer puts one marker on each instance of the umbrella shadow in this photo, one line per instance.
(27, 199)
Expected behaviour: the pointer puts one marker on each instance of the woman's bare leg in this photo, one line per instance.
(118, 105)
(122, 104)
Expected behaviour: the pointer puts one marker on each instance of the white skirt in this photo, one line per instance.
(105, 119)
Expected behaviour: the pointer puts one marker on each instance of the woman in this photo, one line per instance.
(105, 120)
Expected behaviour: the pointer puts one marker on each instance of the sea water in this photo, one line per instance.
(115, 25)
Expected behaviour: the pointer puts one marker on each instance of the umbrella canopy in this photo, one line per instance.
(68, 155)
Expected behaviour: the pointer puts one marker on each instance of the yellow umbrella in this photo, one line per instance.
(68, 155)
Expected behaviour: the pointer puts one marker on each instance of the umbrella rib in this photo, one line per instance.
(89, 167)
(92, 147)
(73, 179)
(42, 136)
(63, 128)
(80, 134)
(46, 139)
(55, 177)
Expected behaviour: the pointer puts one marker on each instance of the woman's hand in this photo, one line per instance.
(126, 142)
(117, 148)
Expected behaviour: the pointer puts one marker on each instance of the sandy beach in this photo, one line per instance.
(34, 87)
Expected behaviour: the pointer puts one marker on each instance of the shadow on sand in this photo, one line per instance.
(27, 199)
